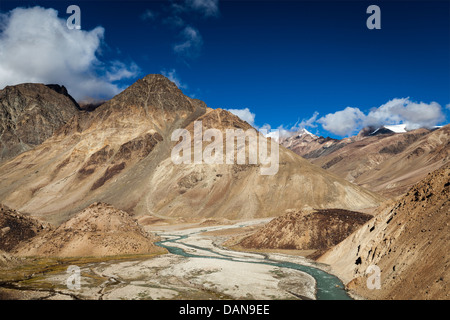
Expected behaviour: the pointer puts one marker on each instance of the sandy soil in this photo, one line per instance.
(172, 276)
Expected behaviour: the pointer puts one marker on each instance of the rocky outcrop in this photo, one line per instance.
(408, 240)
(30, 113)
(16, 228)
(306, 230)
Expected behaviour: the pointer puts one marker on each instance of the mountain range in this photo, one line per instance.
(80, 180)
(379, 159)
(120, 154)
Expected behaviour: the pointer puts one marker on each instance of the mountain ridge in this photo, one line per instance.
(385, 162)
(120, 153)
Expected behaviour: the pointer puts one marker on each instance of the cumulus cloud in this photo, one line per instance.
(413, 114)
(396, 111)
(191, 43)
(351, 120)
(37, 46)
(344, 122)
(244, 114)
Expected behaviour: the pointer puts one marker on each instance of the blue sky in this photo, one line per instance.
(287, 64)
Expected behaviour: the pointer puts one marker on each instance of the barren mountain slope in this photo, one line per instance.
(241, 191)
(409, 241)
(30, 113)
(387, 163)
(99, 230)
(404, 168)
(313, 147)
(120, 153)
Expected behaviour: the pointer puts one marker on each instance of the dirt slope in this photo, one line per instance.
(408, 240)
(306, 230)
(99, 230)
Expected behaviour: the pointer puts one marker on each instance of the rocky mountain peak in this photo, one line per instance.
(160, 83)
(30, 113)
(155, 93)
(303, 132)
(63, 90)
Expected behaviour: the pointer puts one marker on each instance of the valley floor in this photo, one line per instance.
(206, 271)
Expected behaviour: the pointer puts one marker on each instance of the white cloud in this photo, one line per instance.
(207, 8)
(344, 122)
(191, 43)
(172, 76)
(404, 111)
(281, 132)
(447, 106)
(396, 111)
(244, 114)
(311, 122)
(119, 70)
(37, 46)
(286, 132)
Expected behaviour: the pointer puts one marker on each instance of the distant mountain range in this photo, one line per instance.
(387, 159)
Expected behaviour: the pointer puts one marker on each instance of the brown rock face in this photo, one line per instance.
(306, 230)
(16, 228)
(409, 241)
(29, 114)
(99, 230)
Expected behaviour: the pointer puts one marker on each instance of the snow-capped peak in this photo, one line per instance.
(303, 132)
(397, 128)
